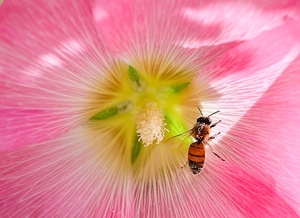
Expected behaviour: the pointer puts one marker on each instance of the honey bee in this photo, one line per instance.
(201, 133)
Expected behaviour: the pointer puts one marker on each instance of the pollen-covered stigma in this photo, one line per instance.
(150, 124)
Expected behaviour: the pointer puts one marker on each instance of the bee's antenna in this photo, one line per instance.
(200, 111)
(214, 113)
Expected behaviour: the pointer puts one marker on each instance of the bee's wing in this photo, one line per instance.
(178, 140)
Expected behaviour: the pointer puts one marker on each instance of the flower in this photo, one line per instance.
(91, 91)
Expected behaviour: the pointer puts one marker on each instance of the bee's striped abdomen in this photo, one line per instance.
(196, 156)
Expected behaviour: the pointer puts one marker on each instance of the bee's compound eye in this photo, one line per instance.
(200, 120)
(207, 121)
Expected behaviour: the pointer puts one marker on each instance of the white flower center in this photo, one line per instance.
(150, 124)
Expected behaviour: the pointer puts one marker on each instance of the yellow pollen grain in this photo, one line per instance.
(150, 124)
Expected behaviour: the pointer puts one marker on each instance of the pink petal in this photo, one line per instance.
(143, 27)
(270, 140)
(260, 175)
(253, 196)
(241, 76)
(50, 57)
(261, 172)
(248, 57)
(64, 178)
(256, 86)
(237, 20)
(223, 189)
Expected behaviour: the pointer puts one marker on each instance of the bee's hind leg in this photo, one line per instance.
(218, 156)
(214, 136)
(184, 165)
(212, 150)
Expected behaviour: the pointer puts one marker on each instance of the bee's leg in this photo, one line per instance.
(214, 136)
(214, 124)
(218, 156)
(212, 150)
(184, 165)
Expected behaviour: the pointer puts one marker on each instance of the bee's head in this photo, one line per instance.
(205, 120)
